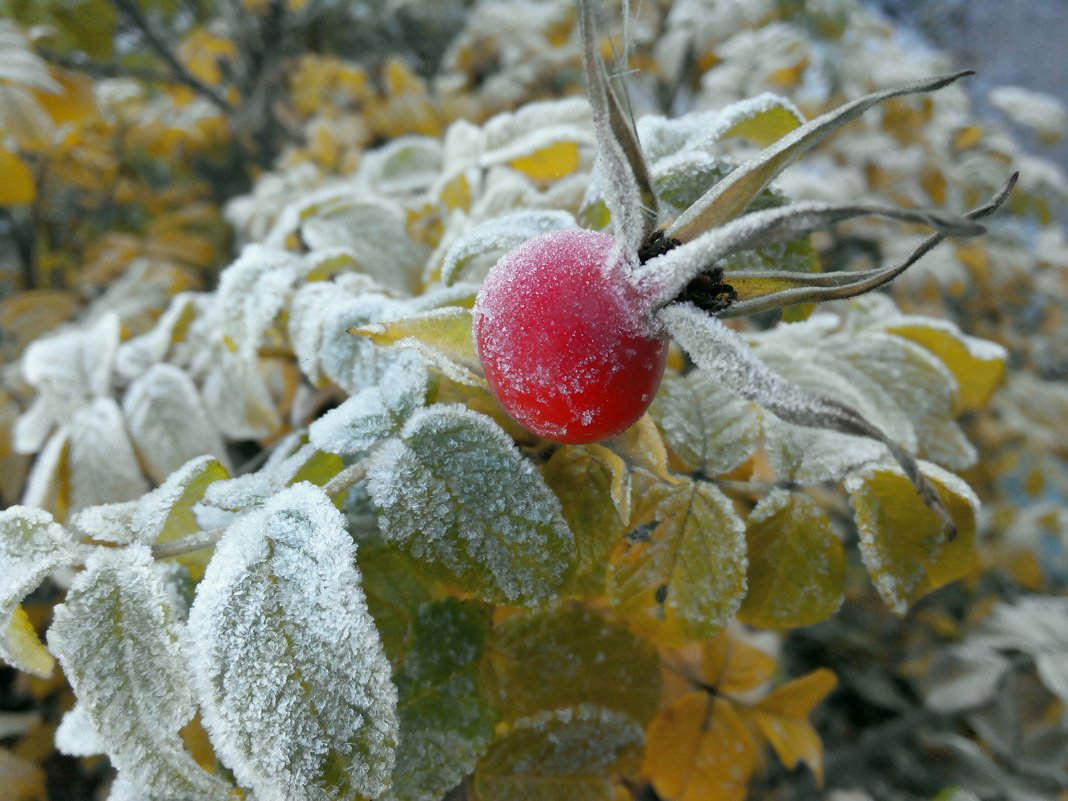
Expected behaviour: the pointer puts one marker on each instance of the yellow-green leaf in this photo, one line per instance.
(902, 541)
(22, 648)
(768, 125)
(550, 162)
(978, 366)
(782, 717)
(442, 336)
(17, 184)
(699, 749)
(681, 571)
(593, 486)
(796, 564)
(732, 666)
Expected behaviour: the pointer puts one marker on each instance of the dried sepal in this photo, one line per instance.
(730, 197)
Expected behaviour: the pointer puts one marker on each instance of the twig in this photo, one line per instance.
(179, 72)
(188, 543)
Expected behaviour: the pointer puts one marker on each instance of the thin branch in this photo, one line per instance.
(107, 69)
(178, 70)
(189, 543)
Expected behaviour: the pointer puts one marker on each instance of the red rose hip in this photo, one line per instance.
(564, 340)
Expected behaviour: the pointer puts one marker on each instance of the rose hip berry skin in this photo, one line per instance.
(563, 339)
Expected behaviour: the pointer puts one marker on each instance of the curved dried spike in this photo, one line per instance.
(629, 191)
(664, 277)
(730, 197)
(808, 288)
(723, 353)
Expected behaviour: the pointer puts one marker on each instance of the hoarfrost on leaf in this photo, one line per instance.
(237, 397)
(103, 466)
(294, 685)
(32, 545)
(453, 490)
(76, 735)
(373, 413)
(168, 421)
(475, 251)
(116, 640)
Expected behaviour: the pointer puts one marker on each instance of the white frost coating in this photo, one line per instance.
(453, 490)
(253, 489)
(66, 369)
(32, 545)
(476, 250)
(76, 735)
(533, 126)
(405, 165)
(142, 520)
(168, 421)
(252, 291)
(20, 64)
(294, 685)
(237, 397)
(43, 483)
(116, 640)
(1043, 113)
(811, 456)
(103, 467)
(137, 355)
(373, 413)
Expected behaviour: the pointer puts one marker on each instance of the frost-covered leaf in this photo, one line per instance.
(698, 748)
(76, 736)
(686, 572)
(20, 647)
(593, 486)
(404, 165)
(66, 369)
(564, 753)
(429, 486)
(252, 291)
(48, 483)
(446, 721)
(137, 355)
(19, 64)
(707, 426)
(373, 229)
(291, 461)
(162, 515)
(442, 337)
(1044, 113)
(796, 564)
(238, 399)
(475, 251)
(964, 677)
(168, 422)
(373, 413)
(902, 541)
(115, 638)
(811, 456)
(32, 545)
(103, 466)
(294, 687)
(569, 657)
(534, 127)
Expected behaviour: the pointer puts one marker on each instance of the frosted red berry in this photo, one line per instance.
(563, 338)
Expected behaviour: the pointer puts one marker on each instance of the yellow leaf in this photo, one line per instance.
(699, 749)
(17, 184)
(642, 446)
(796, 564)
(733, 666)
(202, 51)
(549, 163)
(902, 541)
(28, 315)
(978, 366)
(443, 336)
(21, 779)
(782, 717)
(456, 193)
(23, 118)
(75, 103)
(767, 126)
(22, 648)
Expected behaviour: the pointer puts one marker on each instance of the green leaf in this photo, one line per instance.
(730, 197)
(395, 592)
(569, 657)
(446, 722)
(293, 683)
(796, 564)
(684, 574)
(901, 540)
(593, 485)
(564, 753)
(707, 426)
(433, 487)
(443, 337)
(116, 638)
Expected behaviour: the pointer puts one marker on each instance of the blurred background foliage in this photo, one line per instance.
(143, 141)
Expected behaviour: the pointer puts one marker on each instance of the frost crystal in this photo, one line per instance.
(288, 666)
(454, 491)
(76, 735)
(32, 544)
(103, 466)
(116, 640)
